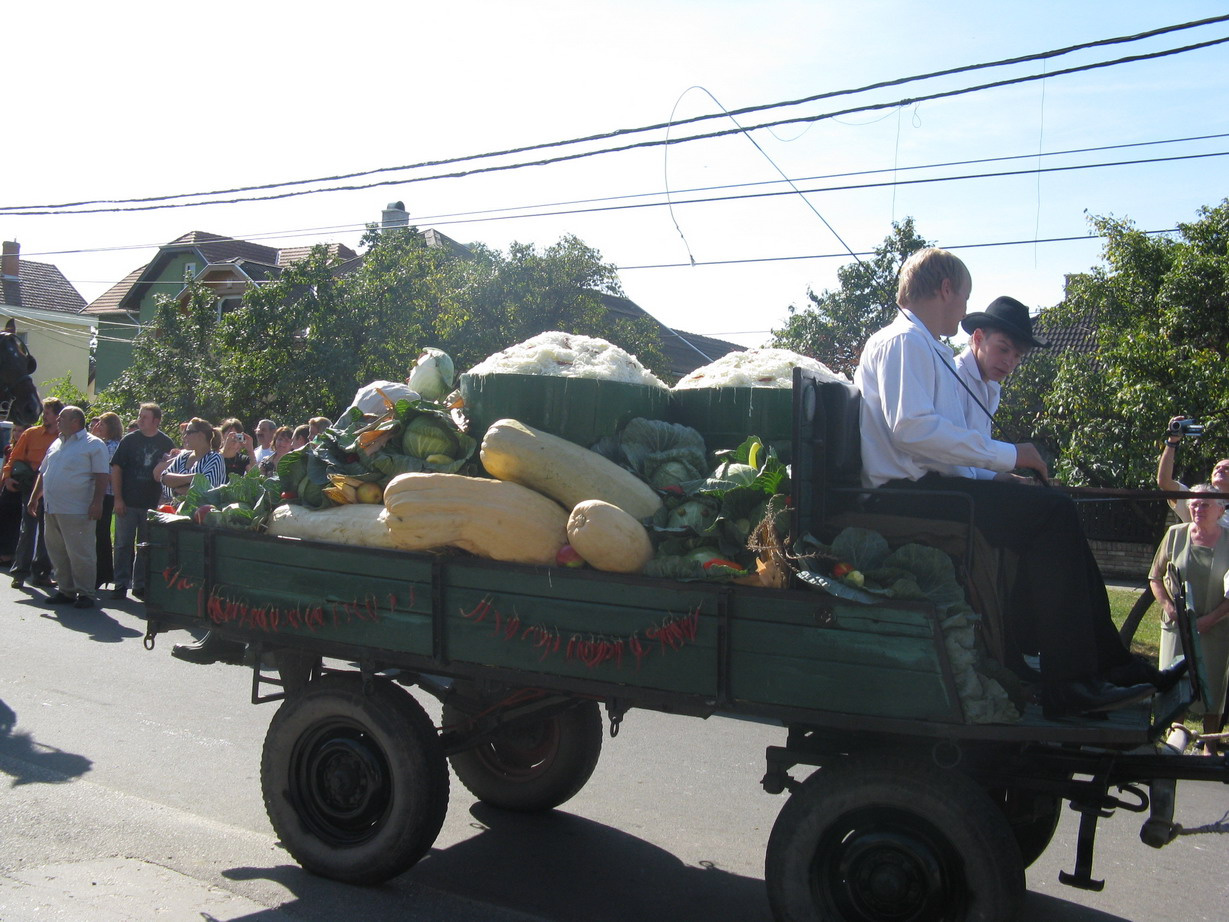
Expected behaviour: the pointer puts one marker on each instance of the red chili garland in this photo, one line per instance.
(672, 634)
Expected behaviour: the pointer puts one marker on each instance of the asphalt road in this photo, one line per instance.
(130, 791)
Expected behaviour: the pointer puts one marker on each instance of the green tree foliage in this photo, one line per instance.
(302, 344)
(834, 327)
(1158, 313)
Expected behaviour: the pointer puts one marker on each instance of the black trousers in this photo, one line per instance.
(1058, 604)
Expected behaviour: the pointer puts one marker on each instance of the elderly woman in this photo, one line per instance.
(1200, 551)
(282, 438)
(198, 456)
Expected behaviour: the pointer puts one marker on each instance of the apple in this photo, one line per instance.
(569, 557)
(369, 492)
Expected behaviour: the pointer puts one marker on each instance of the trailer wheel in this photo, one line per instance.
(874, 842)
(1033, 817)
(355, 782)
(531, 766)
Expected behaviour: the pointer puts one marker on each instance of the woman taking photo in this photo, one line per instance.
(236, 447)
(1200, 551)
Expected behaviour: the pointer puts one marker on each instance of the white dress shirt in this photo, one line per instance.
(913, 418)
(987, 393)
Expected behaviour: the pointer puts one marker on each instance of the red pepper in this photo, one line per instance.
(289, 495)
(167, 507)
(718, 562)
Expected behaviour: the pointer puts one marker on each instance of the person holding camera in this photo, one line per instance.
(237, 447)
(1199, 549)
(1178, 427)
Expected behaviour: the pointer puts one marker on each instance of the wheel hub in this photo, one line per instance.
(341, 784)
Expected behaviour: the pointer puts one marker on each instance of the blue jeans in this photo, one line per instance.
(130, 531)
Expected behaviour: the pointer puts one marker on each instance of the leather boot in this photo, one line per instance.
(211, 648)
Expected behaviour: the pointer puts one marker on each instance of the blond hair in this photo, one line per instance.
(923, 273)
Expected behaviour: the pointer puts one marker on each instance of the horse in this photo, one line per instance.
(19, 400)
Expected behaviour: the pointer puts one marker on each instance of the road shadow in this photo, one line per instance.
(552, 865)
(29, 762)
(95, 622)
(1042, 907)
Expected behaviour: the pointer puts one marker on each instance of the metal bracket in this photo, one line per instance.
(615, 709)
(1082, 878)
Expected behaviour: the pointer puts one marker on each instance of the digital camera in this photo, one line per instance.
(1185, 427)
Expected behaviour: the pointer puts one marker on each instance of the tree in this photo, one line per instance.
(834, 327)
(303, 343)
(1158, 308)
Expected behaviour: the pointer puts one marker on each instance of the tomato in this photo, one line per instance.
(841, 569)
(167, 507)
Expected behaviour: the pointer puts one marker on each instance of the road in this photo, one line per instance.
(131, 792)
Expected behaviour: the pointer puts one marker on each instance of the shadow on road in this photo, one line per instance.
(29, 762)
(1041, 907)
(95, 622)
(553, 865)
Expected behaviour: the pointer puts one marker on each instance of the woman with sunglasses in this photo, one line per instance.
(198, 456)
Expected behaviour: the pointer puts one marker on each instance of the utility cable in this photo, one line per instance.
(54, 209)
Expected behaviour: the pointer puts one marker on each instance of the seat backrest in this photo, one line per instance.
(827, 449)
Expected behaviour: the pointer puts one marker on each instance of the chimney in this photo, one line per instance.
(11, 260)
(394, 215)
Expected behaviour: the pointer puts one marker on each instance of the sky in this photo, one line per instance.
(139, 99)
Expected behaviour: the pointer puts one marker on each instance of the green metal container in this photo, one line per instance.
(726, 416)
(581, 410)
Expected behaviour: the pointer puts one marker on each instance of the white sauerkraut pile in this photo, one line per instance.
(755, 368)
(568, 355)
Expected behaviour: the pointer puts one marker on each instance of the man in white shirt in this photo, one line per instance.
(999, 339)
(915, 437)
(72, 481)
(265, 430)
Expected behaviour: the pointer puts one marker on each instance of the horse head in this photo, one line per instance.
(16, 386)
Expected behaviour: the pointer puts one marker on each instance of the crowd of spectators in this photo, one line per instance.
(76, 492)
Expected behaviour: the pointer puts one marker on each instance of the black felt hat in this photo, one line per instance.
(1006, 314)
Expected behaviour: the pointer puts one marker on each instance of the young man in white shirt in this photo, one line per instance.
(915, 436)
(999, 339)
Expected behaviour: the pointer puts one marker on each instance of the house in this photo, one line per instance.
(231, 266)
(46, 311)
(228, 265)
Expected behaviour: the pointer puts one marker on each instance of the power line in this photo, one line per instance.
(845, 188)
(61, 209)
(842, 254)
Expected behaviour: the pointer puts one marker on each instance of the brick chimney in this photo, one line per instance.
(11, 260)
(394, 215)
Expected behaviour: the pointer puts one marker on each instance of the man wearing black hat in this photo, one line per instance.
(1000, 337)
(916, 441)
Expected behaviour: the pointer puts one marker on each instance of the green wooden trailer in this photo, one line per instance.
(916, 815)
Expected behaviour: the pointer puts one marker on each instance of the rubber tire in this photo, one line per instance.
(1033, 817)
(893, 822)
(332, 734)
(532, 767)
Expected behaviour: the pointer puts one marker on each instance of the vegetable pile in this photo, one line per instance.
(914, 572)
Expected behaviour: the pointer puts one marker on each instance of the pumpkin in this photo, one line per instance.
(490, 518)
(365, 525)
(562, 470)
(608, 538)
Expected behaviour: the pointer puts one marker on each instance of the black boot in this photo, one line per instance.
(210, 649)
